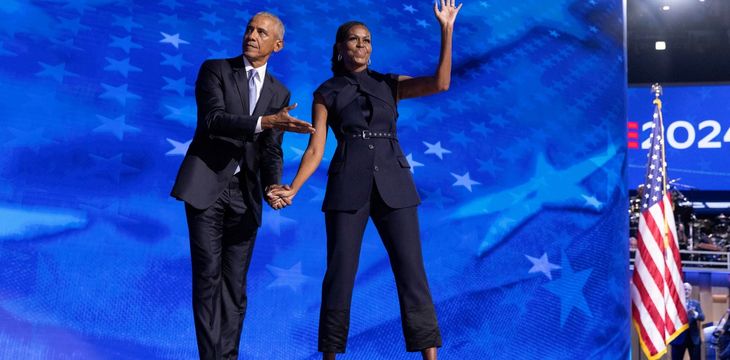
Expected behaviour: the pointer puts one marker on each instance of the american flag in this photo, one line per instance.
(658, 304)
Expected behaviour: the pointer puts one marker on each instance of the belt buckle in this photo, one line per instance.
(366, 134)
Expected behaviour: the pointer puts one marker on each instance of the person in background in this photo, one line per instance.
(723, 337)
(690, 340)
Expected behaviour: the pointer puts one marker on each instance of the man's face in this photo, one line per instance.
(261, 39)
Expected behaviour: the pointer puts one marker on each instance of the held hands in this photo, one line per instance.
(447, 15)
(279, 196)
(283, 121)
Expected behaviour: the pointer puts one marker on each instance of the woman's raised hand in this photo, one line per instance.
(447, 14)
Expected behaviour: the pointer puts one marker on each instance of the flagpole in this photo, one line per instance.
(658, 91)
(660, 312)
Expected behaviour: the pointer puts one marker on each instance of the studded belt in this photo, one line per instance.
(367, 134)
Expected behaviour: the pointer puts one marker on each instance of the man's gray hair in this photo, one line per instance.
(279, 24)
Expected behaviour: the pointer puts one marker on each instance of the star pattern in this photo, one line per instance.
(124, 43)
(291, 277)
(501, 161)
(593, 202)
(119, 93)
(274, 221)
(437, 198)
(173, 40)
(178, 148)
(569, 288)
(33, 138)
(542, 265)
(436, 149)
(175, 61)
(116, 126)
(464, 180)
(122, 66)
(185, 115)
(126, 22)
(56, 72)
(414, 164)
(177, 85)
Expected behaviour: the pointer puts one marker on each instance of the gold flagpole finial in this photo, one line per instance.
(657, 90)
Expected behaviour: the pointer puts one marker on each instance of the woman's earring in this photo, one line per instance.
(339, 57)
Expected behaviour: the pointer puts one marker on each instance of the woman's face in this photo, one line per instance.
(356, 48)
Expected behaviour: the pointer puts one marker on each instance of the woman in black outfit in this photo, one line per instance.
(370, 177)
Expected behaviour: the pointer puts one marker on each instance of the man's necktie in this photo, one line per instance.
(252, 98)
(252, 93)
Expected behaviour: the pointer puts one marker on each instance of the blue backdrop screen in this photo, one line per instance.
(521, 168)
(697, 131)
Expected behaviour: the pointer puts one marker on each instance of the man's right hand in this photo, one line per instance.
(283, 121)
(276, 202)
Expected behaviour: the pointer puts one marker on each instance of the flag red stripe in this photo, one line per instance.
(642, 331)
(674, 252)
(651, 267)
(646, 299)
(668, 319)
(644, 251)
(671, 329)
(656, 233)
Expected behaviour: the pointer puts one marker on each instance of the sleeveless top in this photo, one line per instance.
(358, 102)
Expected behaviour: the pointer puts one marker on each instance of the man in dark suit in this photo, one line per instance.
(690, 339)
(234, 159)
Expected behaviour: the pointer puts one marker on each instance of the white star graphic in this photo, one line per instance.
(185, 115)
(178, 148)
(116, 126)
(414, 164)
(542, 265)
(175, 40)
(291, 277)
(464, 180)
(436, 149)
(592, 201)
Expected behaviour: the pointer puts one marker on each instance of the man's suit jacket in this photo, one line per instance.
(694, 324)
(225, 137)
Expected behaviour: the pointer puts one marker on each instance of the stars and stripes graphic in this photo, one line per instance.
(658, 304)
(500, 186)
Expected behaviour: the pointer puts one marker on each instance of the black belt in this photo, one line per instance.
(367, 134)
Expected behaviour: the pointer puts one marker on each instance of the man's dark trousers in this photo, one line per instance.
(221, 242)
